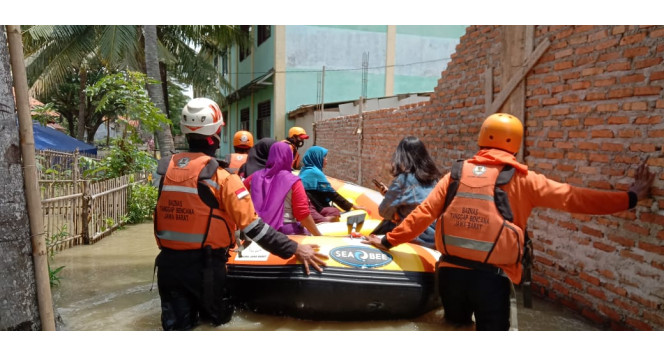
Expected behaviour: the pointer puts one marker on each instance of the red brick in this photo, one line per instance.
(648, 120)
(604, 82)
(595, 96)
(649, 62)
(631, 308)
(591, 279)
(550, 101)
(649, 90)
(606, 44)
(652, 218)
(633, 78)
(631, 255)
(604, 247)
(657, 33)
(592, 71)
(613, 147)
(620, 66)
(609, 107)
(642, 147)
(593, 315)
(637, 324)
(621, 93)
(657, 317)
(610, 313)
(656, 76)
(638, 51)
(560, 111)
(635, 106)
(598, 293)
(581, 85)
(631, 39)
(653, 248)
(618, 120)
(608, 274)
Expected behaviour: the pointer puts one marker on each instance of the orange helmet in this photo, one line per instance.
(501, 131)
(297, 131)
(243, 139)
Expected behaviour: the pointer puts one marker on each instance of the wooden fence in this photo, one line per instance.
(80, 211)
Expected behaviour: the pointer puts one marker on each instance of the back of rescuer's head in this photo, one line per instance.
(501, 131)
(201, 123)
(297, 135)
(243, 141)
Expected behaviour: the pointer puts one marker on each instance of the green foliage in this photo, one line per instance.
(142, 201)
(51, 243)
(124, 93)
(176, 101)
(124, 158)
(45, 114)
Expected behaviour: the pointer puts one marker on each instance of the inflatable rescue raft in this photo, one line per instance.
(360, 282)
(361, 196)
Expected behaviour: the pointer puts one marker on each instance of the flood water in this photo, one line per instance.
(107, 287)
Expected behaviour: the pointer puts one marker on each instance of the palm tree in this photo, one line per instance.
(52, 51)
(164, 136)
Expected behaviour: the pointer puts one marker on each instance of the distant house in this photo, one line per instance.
(283, 70)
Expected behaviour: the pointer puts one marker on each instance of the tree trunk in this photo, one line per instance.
(18, 298)
(164, 136)
(164, 87)
(80, 127)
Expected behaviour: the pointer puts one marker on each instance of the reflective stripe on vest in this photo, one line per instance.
(183, 220)
(473, 226)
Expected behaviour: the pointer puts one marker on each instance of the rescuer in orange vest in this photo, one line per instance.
(199, 208)
(482, 207)
(242, 142)
(295, 139)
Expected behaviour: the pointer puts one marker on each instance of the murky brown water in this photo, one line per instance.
(106, 287)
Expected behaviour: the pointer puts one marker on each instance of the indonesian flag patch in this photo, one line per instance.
(241, 193)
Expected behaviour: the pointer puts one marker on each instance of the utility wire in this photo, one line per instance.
(346, 69)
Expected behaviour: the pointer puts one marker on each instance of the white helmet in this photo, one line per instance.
(201, 116)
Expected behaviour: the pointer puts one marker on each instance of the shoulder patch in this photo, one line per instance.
(241, 193)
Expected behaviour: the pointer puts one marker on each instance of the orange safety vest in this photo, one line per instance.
(476, 229)
(235, 161)
(183, 220)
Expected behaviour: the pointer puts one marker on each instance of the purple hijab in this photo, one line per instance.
(270, 185)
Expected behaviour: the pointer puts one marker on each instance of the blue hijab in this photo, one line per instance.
(313, 178)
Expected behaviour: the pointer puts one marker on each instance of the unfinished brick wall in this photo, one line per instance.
(593, 110)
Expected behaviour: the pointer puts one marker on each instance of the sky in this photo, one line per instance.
(338, 12)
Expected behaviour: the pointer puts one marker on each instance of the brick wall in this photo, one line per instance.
(593, 109)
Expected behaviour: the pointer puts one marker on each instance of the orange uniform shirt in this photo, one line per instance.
(526, 191)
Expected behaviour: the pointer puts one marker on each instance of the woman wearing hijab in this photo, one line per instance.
(278, 195)
(319, 190)
(256, 158)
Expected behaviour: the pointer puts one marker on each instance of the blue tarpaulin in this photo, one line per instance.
(50, 139)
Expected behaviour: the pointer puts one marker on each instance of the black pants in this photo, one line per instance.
(466, 292)
(192, 286)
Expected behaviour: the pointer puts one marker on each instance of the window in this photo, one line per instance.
(244, 119)
(245, 52)
(263, 33)
(263, 120)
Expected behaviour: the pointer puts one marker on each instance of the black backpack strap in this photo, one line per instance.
(500, 196)
(455, 176)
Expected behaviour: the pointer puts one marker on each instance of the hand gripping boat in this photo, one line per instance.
(361, 196)
(360, 282)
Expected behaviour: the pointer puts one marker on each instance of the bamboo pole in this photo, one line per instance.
(33, 201)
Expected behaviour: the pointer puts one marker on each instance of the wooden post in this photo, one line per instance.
(33, 201)
(85, 212)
